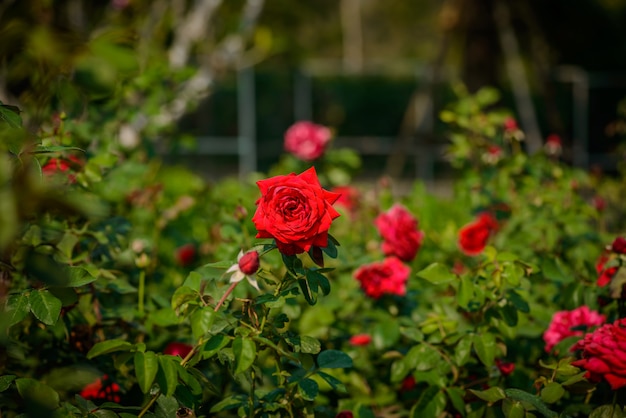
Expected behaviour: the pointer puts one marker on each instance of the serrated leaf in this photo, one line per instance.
(45, 306)
(552, 392)
(78, 276)
(431, 403)
(201, 320)
(109, 346)
(33, 391)
(422, 357)
(5, 381)
(17, 307)
(463, 350)
(520, 395)
(146, 367)
(491, 395)
(333, 359)
(333, 382)
(167, 407)
(485, 346)
(167, 376)
(608, 411)
(244, 350)
(308, 389)
(437, 274)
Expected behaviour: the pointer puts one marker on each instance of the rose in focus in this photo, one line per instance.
(400, 233)
(604, 354)
(387, 277)
(307, 140)
(295, 211)
(566, 324)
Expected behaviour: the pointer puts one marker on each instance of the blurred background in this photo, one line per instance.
(214, 84)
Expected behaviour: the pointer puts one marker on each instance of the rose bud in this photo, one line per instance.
(177, 349)
(186, 254)
(249, 263)
(619, 245)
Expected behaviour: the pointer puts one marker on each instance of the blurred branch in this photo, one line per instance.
(352, 35)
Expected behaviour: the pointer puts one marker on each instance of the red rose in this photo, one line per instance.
(101, 389)
(399, 230)
(388, 277)
(473, 236)
(605, 274)
(505, 367)
(604, 354)
(186, 254)
(599, 203)
(295, 211)
(360, 339)
(619, 245)
(56, 166)
(307, 140)
(249, 262)
(566, 324)
(177, 349)
(344, 414)
(553, 145)
(510, 124)
(349, 197)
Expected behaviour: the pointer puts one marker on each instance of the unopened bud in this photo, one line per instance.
(249, 263)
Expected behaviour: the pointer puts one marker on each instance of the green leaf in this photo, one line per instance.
(109, 346)
(422, 357)
(10, 115)
(465, 293)
(17, 307)
(330, 250)
(182, 296)
(146, 367)
(78, 276)
(166, 406)
(308, 388)
(201, 321)
(520, 395)
(491, 395)
(167, 376)
(463, 350)
(5, 381)
(244, 350)
(437, 274)
(485, 346)
(608, 411)
(45, 306)
(307, 291)
(517, 301)
(552, 392)
(231, 402)
(333, 359)
(512, 273)
(333, 382)
(215, 344)
(431, 403)
(33, 391)
(456, 396)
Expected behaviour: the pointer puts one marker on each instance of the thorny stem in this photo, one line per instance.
(226, 294)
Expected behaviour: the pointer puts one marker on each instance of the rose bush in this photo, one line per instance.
(97, 279)
(307, 140)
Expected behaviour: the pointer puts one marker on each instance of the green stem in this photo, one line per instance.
(142, 290)
(223, 299)
(149, 404)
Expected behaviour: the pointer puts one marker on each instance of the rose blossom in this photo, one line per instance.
(387, 277)
(360, 339)
(186, 254)
(510, 124)
(177, 349)
(101, 389)
(605, 274)
(505, 367)
(566, 324)
(56, 166)
(399, 230)
(349, 197)
(604, 354)
(307, 140)
(619, 245)
(295, 211)
(553, 145)
(473, 236)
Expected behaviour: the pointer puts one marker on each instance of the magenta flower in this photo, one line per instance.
(400, 233)
(307, 140)
(566, 324)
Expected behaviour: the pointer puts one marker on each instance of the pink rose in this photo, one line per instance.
(178, 349)
(387, 277)
(400, 233)
(604, 354)
(566, 324)
(307, 140)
